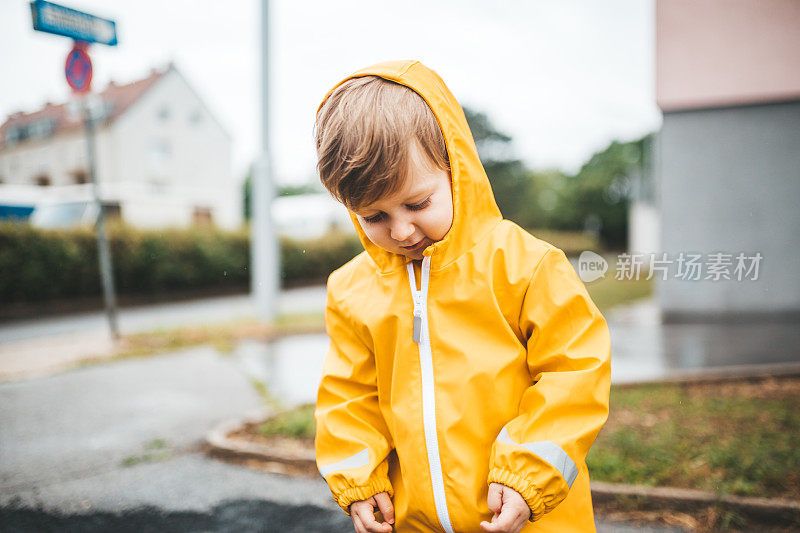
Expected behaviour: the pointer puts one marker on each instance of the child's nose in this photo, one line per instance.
(401, 230)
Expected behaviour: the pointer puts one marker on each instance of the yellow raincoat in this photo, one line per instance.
(503, 378)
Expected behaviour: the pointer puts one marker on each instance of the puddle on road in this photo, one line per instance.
(290, 366)
(656, 351)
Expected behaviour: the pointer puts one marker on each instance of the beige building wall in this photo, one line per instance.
(712, 53)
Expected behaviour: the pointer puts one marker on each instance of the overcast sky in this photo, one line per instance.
(562, 77)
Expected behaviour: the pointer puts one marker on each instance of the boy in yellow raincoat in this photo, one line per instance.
(468, 369)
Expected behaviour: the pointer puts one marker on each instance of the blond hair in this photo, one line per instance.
(364, 132)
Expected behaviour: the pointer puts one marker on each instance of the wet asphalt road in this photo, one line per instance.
(135, 319)
(115, 447)
(235, 516)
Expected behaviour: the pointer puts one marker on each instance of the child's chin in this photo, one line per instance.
(412, 255)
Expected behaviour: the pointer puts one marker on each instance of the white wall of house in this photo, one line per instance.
(56, 158)
(171, 145)
(164, 159)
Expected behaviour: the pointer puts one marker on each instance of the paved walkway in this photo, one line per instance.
(38, 347)
(146, 317)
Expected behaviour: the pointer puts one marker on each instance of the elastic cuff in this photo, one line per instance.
(362, 492)
(529, 492)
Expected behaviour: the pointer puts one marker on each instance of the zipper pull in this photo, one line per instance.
(417, 329)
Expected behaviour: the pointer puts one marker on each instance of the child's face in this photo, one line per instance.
(416, 216)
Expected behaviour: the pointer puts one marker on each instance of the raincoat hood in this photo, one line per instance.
(474, 209)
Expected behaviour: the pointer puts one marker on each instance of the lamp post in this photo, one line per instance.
(265, 259)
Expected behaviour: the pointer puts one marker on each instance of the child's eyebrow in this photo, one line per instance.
(421, 193)
(418, 197)
(414, 198)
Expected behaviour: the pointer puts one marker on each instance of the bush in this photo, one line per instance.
(41, 265)
(313, 260)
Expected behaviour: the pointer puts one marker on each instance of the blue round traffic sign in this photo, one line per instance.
(78, 69)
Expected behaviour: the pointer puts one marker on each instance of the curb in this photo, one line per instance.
(721, 374)
(220, 445)
(761, 510)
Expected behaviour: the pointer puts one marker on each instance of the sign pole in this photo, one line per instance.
(103, 251)
(84, 28)
(265, 262)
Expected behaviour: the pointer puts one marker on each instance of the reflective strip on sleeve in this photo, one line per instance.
(354, 461)
(548, 451)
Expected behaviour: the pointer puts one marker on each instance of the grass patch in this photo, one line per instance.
(571, 242)
(155, 450)
(300, 321)
(223, 336)
(297, 423)
(737, 438)
(608, 292)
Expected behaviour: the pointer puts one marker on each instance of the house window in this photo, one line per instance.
(80, 176)
(112, 211)
(163, 113)
(159, 154)
(158, 186)
(41, 128)
(202, 216)
(16, 133)
(43, 180)
(196, 118)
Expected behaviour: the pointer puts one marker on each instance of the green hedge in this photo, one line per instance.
(40, 265)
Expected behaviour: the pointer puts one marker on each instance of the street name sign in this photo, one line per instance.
(53, 18)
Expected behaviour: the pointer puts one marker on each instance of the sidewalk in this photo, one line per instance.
(146, 317)
(38, 347)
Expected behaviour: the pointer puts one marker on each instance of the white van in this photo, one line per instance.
(53, 214)
(62, 207)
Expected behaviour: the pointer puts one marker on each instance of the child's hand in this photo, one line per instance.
(363, 518)
(510, 510)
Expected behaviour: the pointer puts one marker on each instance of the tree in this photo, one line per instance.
(596, 198)
(508, 176)
(601, 191)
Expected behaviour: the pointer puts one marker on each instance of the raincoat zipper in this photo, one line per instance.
(420, 335)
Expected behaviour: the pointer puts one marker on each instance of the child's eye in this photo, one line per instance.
(421, 205)
(374, 218)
